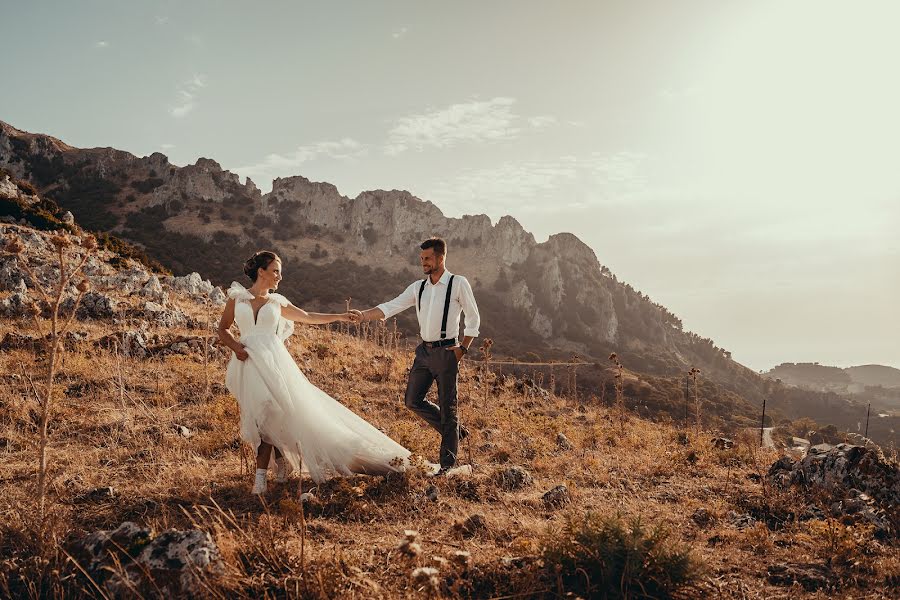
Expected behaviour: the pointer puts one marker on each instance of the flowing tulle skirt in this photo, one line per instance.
(279, 405)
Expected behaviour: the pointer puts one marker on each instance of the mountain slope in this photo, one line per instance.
(543, 301)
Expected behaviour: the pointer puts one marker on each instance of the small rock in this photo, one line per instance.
(514, 478)
(431, 493)
(562, 442)
(741, 521)
(556, 497)
(812, 577)
(183, 431)
(722, 443)
(471, 526)
(811, 513)
(68, 218)
(97, 495)
(702, 517)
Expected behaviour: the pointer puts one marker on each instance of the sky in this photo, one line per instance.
(736, 161)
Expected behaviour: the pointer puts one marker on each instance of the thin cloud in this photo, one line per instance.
(101, 44)
(400, 33)
(167, 146)
(541, 121)
(161, 20)
(672, 94)
(474, 121)
(187, 96)
(546, 185)
(469, 121)
(282, 165)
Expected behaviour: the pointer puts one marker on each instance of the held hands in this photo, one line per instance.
(241, 353)
(353, 316)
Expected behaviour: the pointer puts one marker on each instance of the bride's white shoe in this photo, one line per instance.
(259, 485)
(284, 469)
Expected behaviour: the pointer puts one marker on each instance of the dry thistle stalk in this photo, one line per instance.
(427, 579)
(619, 378)
(694, 372)
(58, 329)
(409, 546)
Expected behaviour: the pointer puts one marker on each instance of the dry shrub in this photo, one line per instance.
(605, 556)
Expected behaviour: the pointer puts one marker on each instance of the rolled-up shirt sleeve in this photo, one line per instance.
(470, 309)
(405, 300)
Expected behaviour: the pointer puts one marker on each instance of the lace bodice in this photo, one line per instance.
(268, 320)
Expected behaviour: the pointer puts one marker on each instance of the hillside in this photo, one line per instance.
(143, 431)
(552, 298)
(539, 301)
(875, 375)
(875, 384)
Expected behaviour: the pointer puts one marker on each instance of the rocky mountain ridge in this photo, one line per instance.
(539, 301)
(565, 299)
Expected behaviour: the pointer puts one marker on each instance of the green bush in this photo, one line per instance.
(599, 556)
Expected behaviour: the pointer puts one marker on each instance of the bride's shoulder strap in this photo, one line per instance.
(239, 292)
(279, 299)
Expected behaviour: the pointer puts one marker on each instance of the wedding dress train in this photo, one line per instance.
(279, 405)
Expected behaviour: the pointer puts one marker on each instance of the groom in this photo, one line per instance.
(439, 299)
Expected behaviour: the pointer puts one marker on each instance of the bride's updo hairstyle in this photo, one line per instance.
(260, 260)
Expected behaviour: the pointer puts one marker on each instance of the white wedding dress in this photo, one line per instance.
(279, 405)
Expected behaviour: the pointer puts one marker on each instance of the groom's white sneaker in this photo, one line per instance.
(284, 469)
(259, 484)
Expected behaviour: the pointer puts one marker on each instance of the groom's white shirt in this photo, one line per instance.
(462, 300)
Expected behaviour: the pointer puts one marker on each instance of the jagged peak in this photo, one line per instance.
(11, 131)
(208, 163)
(292, 184)
(570, 244)
(157, 158)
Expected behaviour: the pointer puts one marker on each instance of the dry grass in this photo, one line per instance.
(118, 424)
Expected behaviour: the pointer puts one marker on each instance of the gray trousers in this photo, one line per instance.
(429, 365)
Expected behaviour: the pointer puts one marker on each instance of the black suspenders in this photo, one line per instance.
(446, 303)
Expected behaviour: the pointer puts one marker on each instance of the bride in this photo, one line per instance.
(280, 408)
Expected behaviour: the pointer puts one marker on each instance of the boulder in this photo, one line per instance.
(556, 497)
(130, 343)
(14, 305)
(93, 305)
(722, 443)
(514, 478)
(842, 468)
(169, 564)
(11, 276)
(153, 290)
(562, 442)
(471, 526)
(192, 285)
(865, 485)
(162, 316)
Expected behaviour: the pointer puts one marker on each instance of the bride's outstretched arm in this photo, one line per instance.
(293, 313)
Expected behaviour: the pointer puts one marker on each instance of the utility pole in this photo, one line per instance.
(868, 408)
(762, 423)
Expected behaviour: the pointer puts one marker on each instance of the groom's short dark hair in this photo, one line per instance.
(439, 245)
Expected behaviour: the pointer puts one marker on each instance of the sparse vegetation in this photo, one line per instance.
(599, 556)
